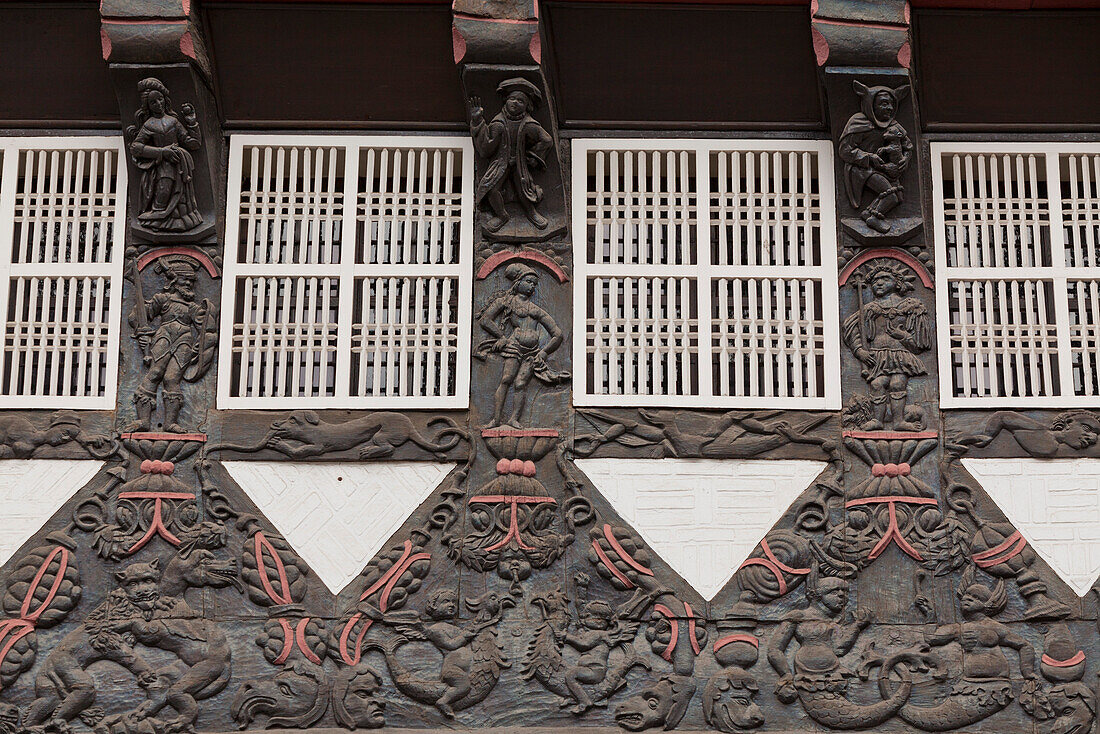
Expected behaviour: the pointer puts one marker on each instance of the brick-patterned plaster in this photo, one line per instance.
(1055, 503)
(702, 516)
(31, 491)
(337, 515)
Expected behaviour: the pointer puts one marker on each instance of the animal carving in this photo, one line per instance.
(662, 704)
(729, 701)
(303, 434)
(472, 657)
(592, 680)
(295, 697)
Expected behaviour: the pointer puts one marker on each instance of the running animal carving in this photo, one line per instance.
(472, 657)
(303, 434)
(592, 680)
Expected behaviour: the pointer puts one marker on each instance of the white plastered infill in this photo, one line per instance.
(337, 515)
(31, 491)
(702, 516)
(1055, 503)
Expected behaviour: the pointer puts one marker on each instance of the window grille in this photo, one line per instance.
(1018, 282)
(62, 209)
(708, 274)
(349, 272)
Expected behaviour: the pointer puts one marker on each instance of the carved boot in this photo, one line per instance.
(144, 404)
(536, 219)
(173, 404)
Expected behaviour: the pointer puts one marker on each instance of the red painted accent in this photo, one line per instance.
(105, 44)
(893, 532)
(520, 433)
(187, 45)
(1012, 546)
(890, 435)
(282, 596)
(891, 470)
(297, 636)
(144, 21)
(729, 640)
(1075, 660)
(25, 610)
(691, 628)
(535, 46)
(458, 43)
(511, 498)
(898, 255)
(19, 628)
(908, 11)
(157, 526)
(495, 260)
(288, 642)
(821, 46)
(675, 624)
(611, 566)
(905, 54)
(483, 19)
(860, 24)
(190, 252)
(186, 6)
(300, 638)
(880, 500)
(384, 598)
(627, 558)
(776, 566)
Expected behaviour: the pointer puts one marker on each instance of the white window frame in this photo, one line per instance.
(1058, 274)
(11, 147)
(704, 271)
(346, 272)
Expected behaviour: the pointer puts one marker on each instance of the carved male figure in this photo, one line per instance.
(20, 438)
(513, 321)
(181, 346)
(515, 143)
(876, 151)
(886, 335)
(1076, 429)
(594, 641)
(160, 147)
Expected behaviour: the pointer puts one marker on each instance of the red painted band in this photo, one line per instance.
(990, 558)
(386, 576)
(861, 24)
(730, 639)
(288, 642)
(898, 255)
(1076, 659)
(261, 543)
(890, 435)
(519, 432)
(155, 496)
(691, 628)
(384, 599)
(24, 628)
(771, 557)
(891, 500)
(512, 499)
(146, 436)
(300, 638)
(675, 629)
(611, 566)
(776, 571)
(25, 610)
(198, 255)
(495, 260)
(627, 558)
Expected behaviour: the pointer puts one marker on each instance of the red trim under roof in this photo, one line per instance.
(941, 4)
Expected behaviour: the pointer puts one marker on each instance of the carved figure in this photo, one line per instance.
(355, 702)
(20, 438)
(295, 697)
(160, 147)
(1075, 429)
(1069, 706)
(515, 144)
(182, 346)
(662, 704)
(513, 322)
(472, 658)
(817, 678)
(985, 686)
(9, 718)
(734, 434)
(729, 701)
(303, 434)
(592, 680)
(886, 335)
(876, 151)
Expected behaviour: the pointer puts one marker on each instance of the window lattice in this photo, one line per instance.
(351, 278)
(708, 273)
(61, 216)
(1018, 237)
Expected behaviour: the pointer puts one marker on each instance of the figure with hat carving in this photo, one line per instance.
(886, 335)
(514, 322)
(180, 348)
(515, 144)
(876, 151)
(160, 146)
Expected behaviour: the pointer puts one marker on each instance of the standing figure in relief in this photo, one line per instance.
(181, 347)
(513, 322)
(515, 143)
(876, 151)
(886, 335)
(159, 147)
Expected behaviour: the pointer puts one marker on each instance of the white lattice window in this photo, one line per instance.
(348, 270)
(707, 275)
(62, 227)
(1018, 273)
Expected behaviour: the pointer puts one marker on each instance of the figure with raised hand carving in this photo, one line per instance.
(513, 321)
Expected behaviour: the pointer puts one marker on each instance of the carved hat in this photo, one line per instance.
(867, 96)
(175, 266)
(519, 84)
(517, 271)
(64, 418)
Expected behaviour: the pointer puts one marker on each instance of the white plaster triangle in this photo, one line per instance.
(702, 516)
(1055, 504)
(31, 491)
(337, 515)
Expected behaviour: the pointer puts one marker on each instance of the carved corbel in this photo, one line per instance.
(162, 74)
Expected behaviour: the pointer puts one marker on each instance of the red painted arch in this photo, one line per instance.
(904, 257)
